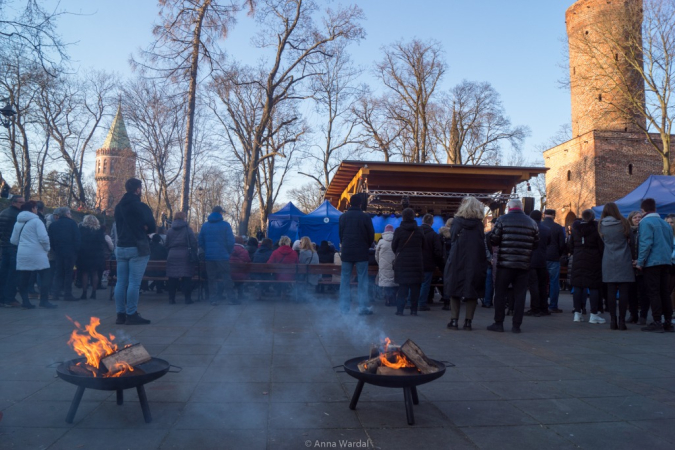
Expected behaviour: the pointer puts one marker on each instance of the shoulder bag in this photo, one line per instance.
(393, 262)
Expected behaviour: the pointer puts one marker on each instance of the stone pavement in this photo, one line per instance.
(260, 376)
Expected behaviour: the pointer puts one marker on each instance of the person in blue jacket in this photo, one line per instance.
(217, 242)
(654, 259)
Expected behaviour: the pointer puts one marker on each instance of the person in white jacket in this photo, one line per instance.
(384, 256)
(30, 235)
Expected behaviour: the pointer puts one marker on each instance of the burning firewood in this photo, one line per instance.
(417, 356)
(404, 371)
(127, 357)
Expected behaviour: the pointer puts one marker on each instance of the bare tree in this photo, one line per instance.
(298, 35)
(335, 94)
(185, 39)
(471, 126)
(156, 116)
(72, 110)
(307, 197)
(33, 28)
(627, 50)
(411, 72)
(380, 134)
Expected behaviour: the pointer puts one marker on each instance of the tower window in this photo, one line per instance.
(105, 165)
(111, 166)
(569, 175)
(616, 57)
(630, 169)
(599, 97)
(586, 32)
(574, 70)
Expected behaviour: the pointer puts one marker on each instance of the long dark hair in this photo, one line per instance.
(611, 210)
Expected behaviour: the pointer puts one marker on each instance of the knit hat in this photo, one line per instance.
(389, 228)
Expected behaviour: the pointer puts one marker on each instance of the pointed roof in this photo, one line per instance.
(117, 136)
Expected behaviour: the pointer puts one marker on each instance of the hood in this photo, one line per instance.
(610, 221)
(215, 217)
(25, 216)
(586, 228)
(469, 224)
(177, 224)
(129, 198)
(285, 250)
(388, 236)
(408, 225)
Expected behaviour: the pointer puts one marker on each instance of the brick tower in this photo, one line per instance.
(607, 156)
(115, 163)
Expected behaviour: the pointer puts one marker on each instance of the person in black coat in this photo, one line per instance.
(466, 268)
(251, 247)
(586, 247)
(261, 256)
(64, 240)
(408, 246)
(8, 275)
(433, 258)
(517, 236)
(356, 237)
(557, 248)
(538, 278)
(90, 259)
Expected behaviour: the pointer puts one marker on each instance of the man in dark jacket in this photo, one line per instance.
(555, 249)
(64, 240)
(517, 236)
(134, 221)
(433, 257)
(538, 277)
(217, 241)
(8, 262)
(356, 237)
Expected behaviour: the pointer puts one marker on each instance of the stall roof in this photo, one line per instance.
(428, 186)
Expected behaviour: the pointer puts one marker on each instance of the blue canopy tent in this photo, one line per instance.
(284, 222)
(659, 187)
(322, 224)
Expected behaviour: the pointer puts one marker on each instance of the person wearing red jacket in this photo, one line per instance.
(284, 255)
(239, 255)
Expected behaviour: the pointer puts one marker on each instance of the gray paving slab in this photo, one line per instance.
(260, 375)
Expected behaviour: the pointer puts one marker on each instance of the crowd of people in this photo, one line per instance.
(622, 266)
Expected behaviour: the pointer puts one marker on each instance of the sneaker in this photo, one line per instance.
(596, 318)
(121, 319)
(555, 310)
(136, 319)
(47, 305)
(499, 327)
(654, 327)
(515, 329)
(578, 317)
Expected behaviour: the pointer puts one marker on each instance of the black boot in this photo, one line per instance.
(446, 304)
(467, 324)
(497, 326)
(121, 319)
(27, 305)
(93, 294)
(612, 324)
(84, 294)
(136, 319)
(453, 325)
(622, 324)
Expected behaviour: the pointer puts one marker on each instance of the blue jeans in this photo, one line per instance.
(554, 280)
(8, 275)
(424, 290)
(489, 288)
(130, 270)
(345, 278)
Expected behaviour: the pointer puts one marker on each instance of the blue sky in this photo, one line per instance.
(516, 46)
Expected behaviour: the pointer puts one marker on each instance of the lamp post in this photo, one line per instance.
(7, 113)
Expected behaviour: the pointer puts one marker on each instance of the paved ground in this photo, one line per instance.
(260, 376)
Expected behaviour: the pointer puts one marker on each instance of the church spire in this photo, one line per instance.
(117, 136)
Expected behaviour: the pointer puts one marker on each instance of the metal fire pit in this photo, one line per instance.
(408, 383)
(149, 371)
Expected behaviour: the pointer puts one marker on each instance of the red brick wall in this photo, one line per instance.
(112, 169)
(595, 100)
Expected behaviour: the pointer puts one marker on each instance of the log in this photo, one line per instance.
(132, 355)
(83, 370)
(403, 371)
(369, 365)
(417, 356)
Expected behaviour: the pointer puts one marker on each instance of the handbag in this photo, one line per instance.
(393, 262)
(192, 252)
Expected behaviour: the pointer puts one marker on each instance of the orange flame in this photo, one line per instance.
(94, 346)
(400, 362)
